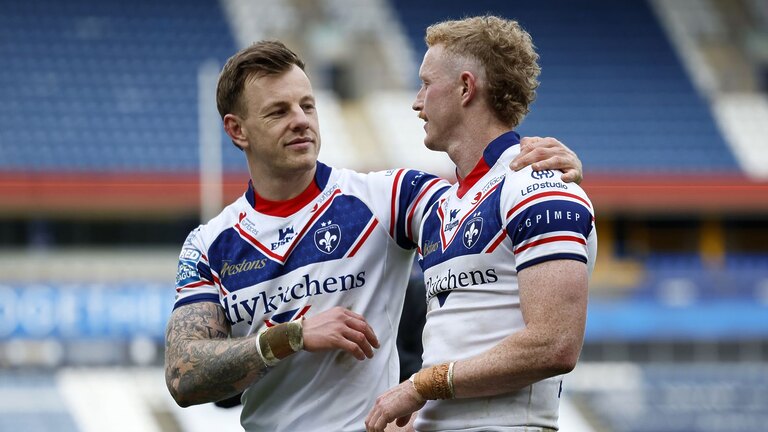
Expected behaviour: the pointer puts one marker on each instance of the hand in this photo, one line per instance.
(548, 153)
(396, 404)
(340, 328)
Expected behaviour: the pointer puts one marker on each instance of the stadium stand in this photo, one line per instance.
(611, 84)
(667, 398)
(109, 86)
(98, 178)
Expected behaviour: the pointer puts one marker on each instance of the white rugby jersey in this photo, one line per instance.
(474, 239)
(351, 245)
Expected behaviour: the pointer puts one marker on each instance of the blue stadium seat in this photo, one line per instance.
(110, 85)
(612, 87)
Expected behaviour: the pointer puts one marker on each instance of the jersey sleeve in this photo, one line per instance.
(547, 220)
(401, 197)
(195, 282)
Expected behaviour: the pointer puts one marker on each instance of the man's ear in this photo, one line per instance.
(233, 127)
(468, 87)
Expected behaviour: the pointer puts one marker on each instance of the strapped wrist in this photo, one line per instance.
(278, 342)
(435, 382)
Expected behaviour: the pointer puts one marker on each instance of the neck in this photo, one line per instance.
(468, 149)
(281, 188)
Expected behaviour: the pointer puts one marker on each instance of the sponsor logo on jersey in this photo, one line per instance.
(186, 273)
(230, 269)
(327, 192)
(442, 284)
(284, 236)
(543, 174)
(476, 198)
(191, 237)
(286, 232)
(416, 178)
(188, 254)
(243, 305)
(543, 185)
(248, 225)
(327, 237)
(453, 213)
(548, 216)
(429, 247)
(494, 181)
(472, 230)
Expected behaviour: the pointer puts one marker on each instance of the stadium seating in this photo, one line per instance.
(49, 411)
(670, 398)
(612, 87)
(106, 86)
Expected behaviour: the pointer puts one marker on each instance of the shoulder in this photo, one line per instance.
(227, 218)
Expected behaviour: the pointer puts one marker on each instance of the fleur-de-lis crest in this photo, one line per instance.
(327, 241)
(327, 237)
(472, 231)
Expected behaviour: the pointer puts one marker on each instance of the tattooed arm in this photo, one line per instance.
(201, 363)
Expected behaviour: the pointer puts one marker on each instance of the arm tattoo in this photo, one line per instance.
(202, 364)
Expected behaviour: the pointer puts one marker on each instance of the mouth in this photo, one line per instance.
(301, 141)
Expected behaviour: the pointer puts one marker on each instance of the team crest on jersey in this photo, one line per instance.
(452, 221)
(472, 230)
(285, 235)
(186, 273)
(327, 237)
(287, 316)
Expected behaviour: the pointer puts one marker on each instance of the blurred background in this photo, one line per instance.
(111, 151)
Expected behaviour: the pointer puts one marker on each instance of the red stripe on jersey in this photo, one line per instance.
(281, 258)
(301, 313)
(363, 238)
(461, 222)
(551, 240)
(441, 217)
(311, 221)
(394, 203)
(465, 184)
(546, 194)
(194, 285)
(256, 243)
(498, 241)
(415, 204)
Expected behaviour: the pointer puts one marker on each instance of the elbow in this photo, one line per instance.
(183, 400)
(563, 359)
(177, 396)
(181, 397)
(184, 403)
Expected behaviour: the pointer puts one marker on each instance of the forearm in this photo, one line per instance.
(200, 371)
(202, 364)
(553, 302)
(518, 361)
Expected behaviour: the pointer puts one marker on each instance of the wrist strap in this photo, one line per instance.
(435, 382)
(278, 342)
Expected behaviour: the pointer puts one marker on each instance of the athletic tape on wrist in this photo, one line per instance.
(435, 382)
(413, 382)
(280, 341)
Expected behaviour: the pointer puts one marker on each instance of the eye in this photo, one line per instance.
(277, 113)
(308, 107)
